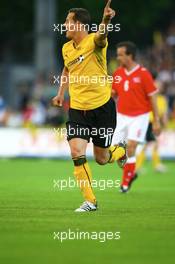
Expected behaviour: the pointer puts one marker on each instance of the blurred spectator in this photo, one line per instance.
(55, 116)
(24, 95)
(34, 113)
(3, 112)
(167, 77)
(172, 118)
(33, 100)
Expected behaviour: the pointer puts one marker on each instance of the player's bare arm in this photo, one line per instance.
(113, 94)
(59, 98)
(101, 35)
(156, 121)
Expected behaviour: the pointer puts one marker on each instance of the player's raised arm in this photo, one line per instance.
(100, 36)
(64, 84)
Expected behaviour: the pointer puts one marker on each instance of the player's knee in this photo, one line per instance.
(76, 152)
(131, 149)
(101, 160)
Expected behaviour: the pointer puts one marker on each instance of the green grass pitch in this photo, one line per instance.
(31, 210)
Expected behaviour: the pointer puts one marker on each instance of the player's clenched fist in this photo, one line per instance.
(58, 100)
(109, 13)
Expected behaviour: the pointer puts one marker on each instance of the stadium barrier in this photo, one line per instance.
(45, 143)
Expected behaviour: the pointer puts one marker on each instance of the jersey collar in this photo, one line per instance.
(77, 47)
(133, 70)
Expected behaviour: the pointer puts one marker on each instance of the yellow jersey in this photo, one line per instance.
(89, 84)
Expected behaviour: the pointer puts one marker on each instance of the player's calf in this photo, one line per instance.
(125, 188)
(83, 175)
(129, 174)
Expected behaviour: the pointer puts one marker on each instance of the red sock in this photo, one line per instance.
(128, 173)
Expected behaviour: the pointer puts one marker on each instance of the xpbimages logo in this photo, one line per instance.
(101, 236)
(62, 28)
(63, 184)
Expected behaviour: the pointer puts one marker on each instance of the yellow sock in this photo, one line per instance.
(155, 158)
(140, 160)
(84, 178)
(116, 153)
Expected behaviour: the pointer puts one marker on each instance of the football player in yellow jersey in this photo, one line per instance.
(92, 112)
(150, 137)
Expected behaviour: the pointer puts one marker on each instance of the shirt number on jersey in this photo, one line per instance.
(108, 139)
(126, 86)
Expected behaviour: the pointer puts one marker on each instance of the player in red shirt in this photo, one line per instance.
(136, 97)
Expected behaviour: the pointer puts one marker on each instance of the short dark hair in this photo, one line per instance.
(82, 15)
(131, 48)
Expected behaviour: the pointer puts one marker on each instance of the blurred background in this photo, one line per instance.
(30, 57)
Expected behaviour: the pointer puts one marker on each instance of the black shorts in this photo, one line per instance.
(98, 124)
(149, 134)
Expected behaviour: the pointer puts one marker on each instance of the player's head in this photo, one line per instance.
(77, 20)
(126, 52)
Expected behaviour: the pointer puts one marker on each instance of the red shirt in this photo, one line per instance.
(133, 89)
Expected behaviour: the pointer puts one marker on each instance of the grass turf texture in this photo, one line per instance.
(31, 210)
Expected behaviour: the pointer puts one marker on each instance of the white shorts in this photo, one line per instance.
(131, 128)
